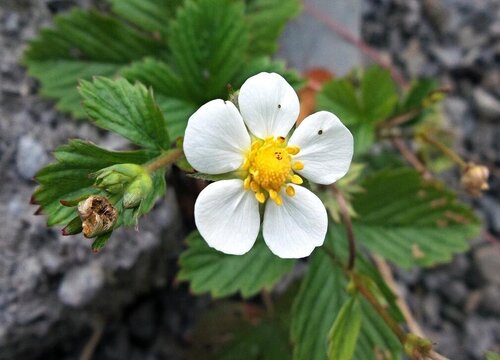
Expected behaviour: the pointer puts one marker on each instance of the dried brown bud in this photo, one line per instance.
(475, 179)
(97, 214)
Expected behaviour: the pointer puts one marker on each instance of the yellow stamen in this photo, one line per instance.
(293, 150)
(297, 165)
(260, 197)
(254, 186)
(246, 183)
(273, 194)
(278, 200)
(296, 179)
(290, 191)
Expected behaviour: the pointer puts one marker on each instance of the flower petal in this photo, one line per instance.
(326, 147)
(216, 138)
(295, 228)
(269, 105)
(228, 217)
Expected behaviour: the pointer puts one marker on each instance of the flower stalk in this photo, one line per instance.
(444, 149)
(164, 160)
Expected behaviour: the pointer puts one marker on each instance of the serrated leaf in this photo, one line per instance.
(126, 109)
(378, 94)
(150, 15)
(343, 336)
(80, 45)
(68, 177)
(209, 270)
(266, 20)
(411, 221)
(321, 296)
(339, 96)
(418, 92)
(208, 41)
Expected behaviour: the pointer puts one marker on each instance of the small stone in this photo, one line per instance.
(12, 22)
(431, 309)
(487, 261)
(480, 335)
(490, 303)
(492, 210)
(455, 292)
(448, 57)
(80, 285)
(487, 105)
(31, 156)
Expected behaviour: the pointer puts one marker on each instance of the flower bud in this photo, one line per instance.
(114, 179)
(137, 191)
(475, 179)
(98, 216)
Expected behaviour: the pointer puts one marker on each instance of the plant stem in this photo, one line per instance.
(445, 150)
(165, 159)
(344, 209)
(410, 157)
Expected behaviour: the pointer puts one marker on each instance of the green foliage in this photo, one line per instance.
(411, 221)
(125, 109)
(172, 46)
(150, 15)
(321, 298)
(82, 44)
(68, 178)
(492, 356)
(363, 102)
(345, 330)
(266, 19)
(209, 270)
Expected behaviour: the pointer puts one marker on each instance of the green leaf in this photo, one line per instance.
(150, 15)
(339, 96)
(418, 92)
(320, 299)
(265, 341)
(378, 94)
(80, 45)
(208, 41)
(345, 330)
(129, 110)
(100, 242)
(411, 221)
(209, 270)
(266, 20)
(492, 356)
(68, 178)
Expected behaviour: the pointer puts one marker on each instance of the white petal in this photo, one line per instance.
(269, 105)
(216, 138)
(295, 228)
(326, 147)
(228, 216)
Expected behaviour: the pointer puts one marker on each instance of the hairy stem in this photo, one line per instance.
(444, 149)
(165, 159)
(344, 209)
(410, 157)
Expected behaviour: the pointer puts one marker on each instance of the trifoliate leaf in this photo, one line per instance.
(208, 42)
(80, 45)
(68, 178)
(150, 15)
(266, 20)
(339, 96)
(320, 299)
(411, 221)
(344, 333)
(209, 270)
(128, 110)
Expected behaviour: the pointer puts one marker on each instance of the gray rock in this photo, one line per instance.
(492, 212)
(449, 57)
(80, 286)
(487, 261)
(481, 334)
(487, 105)
(455, 292)
(432, 309)
(12, 22)
(490, 300)
(31, 156)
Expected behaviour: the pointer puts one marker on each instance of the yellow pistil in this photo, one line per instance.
(268, 167)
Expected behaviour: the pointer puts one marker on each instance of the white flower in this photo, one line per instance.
(268, 168)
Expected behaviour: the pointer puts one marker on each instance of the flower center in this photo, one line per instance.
(269, 166)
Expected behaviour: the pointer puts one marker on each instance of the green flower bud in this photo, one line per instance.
(114, 179)
(137, 191)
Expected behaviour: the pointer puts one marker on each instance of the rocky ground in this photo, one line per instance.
(457, 42)
(53, 285)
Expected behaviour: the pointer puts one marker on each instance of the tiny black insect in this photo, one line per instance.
(279, 106)
(320, 132)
